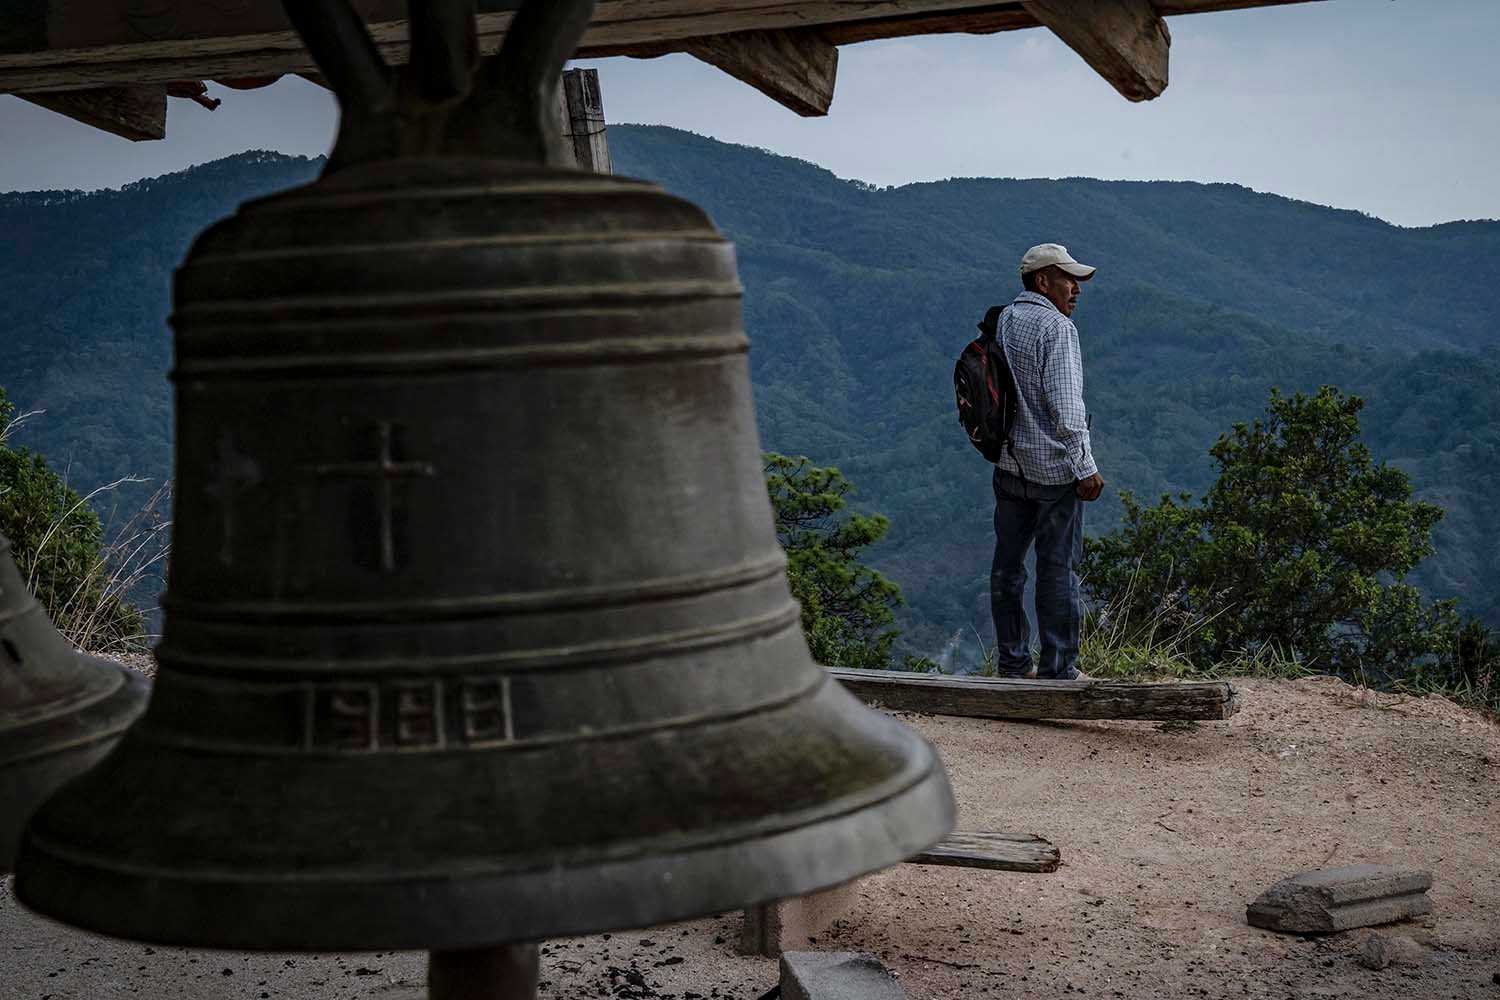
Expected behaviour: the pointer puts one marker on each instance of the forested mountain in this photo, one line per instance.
(857, 300)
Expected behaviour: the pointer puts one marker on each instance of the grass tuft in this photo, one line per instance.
(100, 614)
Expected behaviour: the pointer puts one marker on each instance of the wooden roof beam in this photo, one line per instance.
(1125, 41)
(985, 19)
(795, 67)
(135, 112)
(50, 46)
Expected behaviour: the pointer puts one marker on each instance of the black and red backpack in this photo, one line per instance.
(985, 390)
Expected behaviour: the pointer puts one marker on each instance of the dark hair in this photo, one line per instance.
(1030, 279)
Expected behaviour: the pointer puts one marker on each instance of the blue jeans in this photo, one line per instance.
(1051, 517)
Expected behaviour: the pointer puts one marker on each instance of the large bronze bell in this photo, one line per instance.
(477, 630)
(60, 710)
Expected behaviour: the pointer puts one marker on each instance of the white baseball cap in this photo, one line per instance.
(1049, 254)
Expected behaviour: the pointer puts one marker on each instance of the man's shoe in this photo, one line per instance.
(1030, 673)
(1079, 675)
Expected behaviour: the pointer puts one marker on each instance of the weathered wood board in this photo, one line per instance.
(1000, 698)
(795, 67)
(1125, 41)
(581, 105)
(137, 112)
(1005, 852)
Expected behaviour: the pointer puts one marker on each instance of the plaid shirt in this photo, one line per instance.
(1051, 433)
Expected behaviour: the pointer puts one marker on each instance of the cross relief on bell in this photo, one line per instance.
(380, 476)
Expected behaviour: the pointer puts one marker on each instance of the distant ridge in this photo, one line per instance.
(858, 297)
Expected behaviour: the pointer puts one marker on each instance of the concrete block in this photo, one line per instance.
(836, 975)
(1337, 899)
(790, 924)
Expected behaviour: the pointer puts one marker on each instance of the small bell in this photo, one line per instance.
(60, 710)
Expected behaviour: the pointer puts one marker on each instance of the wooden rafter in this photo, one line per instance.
(136, 112)
(795, 67)
(1125, 41)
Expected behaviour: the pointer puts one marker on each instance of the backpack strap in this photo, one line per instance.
(990, 327)
(991, 321)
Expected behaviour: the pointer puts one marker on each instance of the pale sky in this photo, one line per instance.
(1391, 107)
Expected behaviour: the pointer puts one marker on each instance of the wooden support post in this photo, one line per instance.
(504, 972)
(997, 698)
(788, 924)
(1125, 41)
(796, 67)
(136, 112)
(583, 120)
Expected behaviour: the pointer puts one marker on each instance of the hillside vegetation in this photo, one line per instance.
(857, 300)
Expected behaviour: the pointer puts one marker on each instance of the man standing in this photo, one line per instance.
(1041, 484)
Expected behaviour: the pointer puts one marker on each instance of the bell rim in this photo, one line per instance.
(459, 910)
(113, 708)
(29, 778)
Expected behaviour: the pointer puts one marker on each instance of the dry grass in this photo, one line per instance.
(100, 613)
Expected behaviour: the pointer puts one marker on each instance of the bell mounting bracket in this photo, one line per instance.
(447, 101)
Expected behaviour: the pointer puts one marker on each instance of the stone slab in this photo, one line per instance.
(836, 975)
(1338, 899)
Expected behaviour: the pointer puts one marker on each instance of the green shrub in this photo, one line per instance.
(1300, 545)
(58, 543)
(847, 607)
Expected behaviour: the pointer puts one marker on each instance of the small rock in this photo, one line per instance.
(1381, 950)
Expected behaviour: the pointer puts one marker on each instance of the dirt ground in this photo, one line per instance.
(1166, 833)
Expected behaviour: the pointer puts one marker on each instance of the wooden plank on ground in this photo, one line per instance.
(1001, 698)
(1125, 41)
(794, 67)
(137, 113)
(1006, 852)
